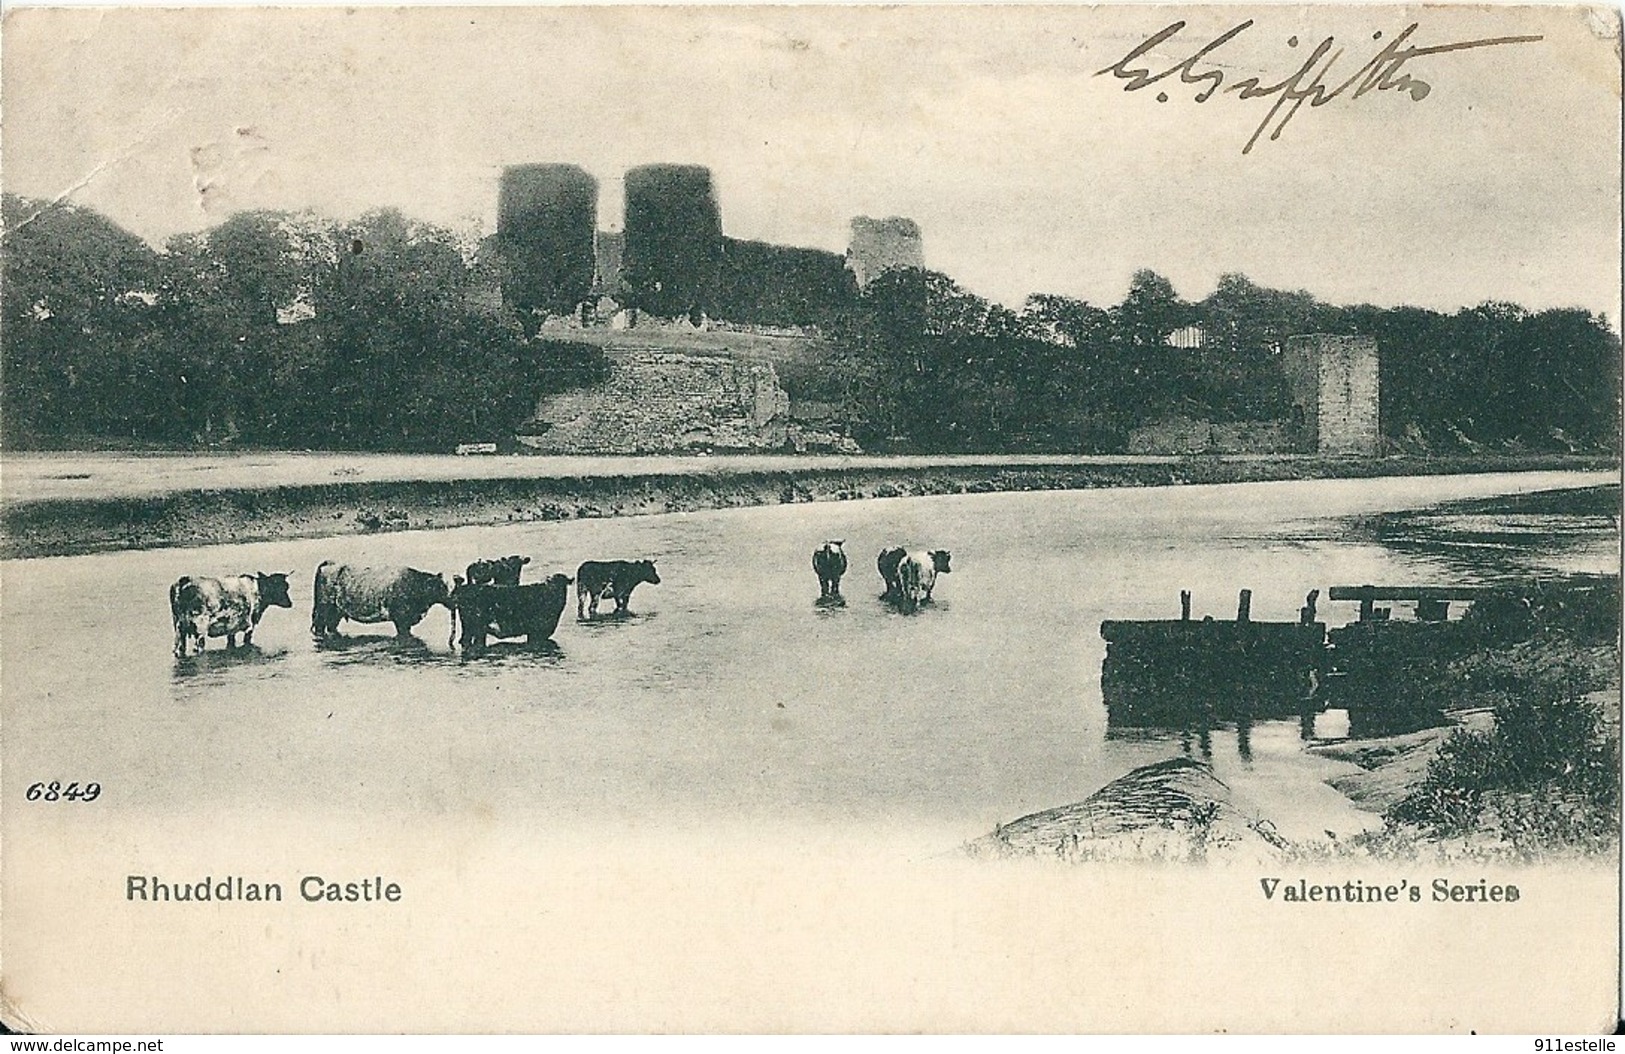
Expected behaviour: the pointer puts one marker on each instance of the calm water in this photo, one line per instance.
(729, 693)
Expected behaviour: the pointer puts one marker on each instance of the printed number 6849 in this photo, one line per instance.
(54, 791)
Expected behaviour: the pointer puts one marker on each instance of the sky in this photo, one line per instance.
(1028, 169)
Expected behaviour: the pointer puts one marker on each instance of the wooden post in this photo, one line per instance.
(1244, 606)
(1184, 605)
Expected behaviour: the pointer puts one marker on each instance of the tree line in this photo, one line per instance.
(270, 329)
(284, 330)
(923, 364)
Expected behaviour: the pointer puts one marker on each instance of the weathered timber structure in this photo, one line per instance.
(1176, 673)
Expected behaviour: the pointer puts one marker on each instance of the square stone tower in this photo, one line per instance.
(1333, 381)
(878, 246)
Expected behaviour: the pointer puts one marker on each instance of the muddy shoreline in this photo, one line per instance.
(32, 528)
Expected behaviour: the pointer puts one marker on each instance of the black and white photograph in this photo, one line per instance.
(810, 519)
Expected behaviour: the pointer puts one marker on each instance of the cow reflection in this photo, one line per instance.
(516, 652)
(215, 664)
(409, 650)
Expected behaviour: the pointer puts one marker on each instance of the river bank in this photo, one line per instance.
(64, 505)
(1522, 769)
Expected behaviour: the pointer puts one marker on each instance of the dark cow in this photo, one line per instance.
(401, 595)
(887, 563)
(214, 607)
(602, 579)
(829, 563)
(917, 575)
(503, 572)
(530, 611)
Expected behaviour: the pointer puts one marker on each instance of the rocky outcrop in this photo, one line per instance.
(1174, 810)
(664, 402)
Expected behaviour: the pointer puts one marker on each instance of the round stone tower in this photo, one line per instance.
(673, 240)
(547, 216)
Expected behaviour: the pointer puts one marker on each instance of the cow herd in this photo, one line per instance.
(489, 601)
(909, 577)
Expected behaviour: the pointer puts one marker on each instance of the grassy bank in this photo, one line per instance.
(84, 523)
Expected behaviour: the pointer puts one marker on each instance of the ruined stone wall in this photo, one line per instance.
(878, 246)
(1174, 435)
(609, 249)
(662, 401)
(1334, 386)
(1250, 437)
(780, 285)
(1184, 435)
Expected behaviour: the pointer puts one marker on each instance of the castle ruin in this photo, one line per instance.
(652, 294)
(673, 250)
(878, 246)
(547, 217)
(1334, 386)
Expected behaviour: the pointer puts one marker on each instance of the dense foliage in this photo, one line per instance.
(776, 285)
(1546, 776)
(930, 366)
(269, 329)
(286, 330)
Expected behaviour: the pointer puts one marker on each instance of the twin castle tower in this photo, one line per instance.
(672, 258)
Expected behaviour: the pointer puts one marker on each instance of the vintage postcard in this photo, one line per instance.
(811, 519)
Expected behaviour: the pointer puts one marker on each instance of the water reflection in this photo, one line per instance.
(606, 620)
(409, 650)
(215, 663)
(511, 653)
(1506, 536)
(988, 704)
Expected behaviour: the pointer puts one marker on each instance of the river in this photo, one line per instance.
(728, 692)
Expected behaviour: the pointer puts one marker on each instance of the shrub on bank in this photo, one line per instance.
(1544, 778)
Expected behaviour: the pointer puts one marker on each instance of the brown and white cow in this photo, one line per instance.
(917, 576)
(223, 607)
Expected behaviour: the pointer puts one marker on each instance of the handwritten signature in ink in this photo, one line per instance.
(1384, 72)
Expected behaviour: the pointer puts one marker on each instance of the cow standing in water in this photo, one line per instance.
(829, 563)
(501, 572)
(530, 611)
(887, 564)
(917, 576)
(601, 579)
(402, 595)
(212, 607)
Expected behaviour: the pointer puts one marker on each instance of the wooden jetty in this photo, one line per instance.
(1176, 673)
(1187, 673)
